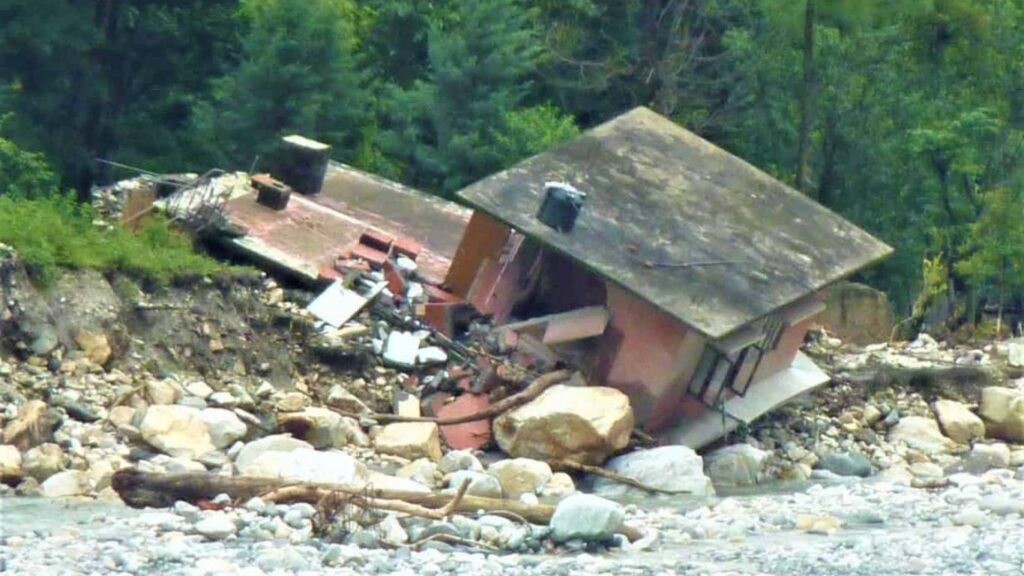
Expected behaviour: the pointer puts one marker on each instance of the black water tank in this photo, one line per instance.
(561, 206)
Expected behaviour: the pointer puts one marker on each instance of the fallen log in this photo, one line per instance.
(531, 392)
(144, 489)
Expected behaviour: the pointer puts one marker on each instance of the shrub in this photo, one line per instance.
(55, 232)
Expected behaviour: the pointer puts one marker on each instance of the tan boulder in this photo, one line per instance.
(322, 428)
(585, 424)
(857, 313)
(95, 346)
(519, 476)
(176, 431)
(10, 464)
(410, 440)
(43, 461)
(958, 422)
(1002, 409)
(33, 426)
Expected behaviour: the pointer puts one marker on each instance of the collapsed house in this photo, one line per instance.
(673, 270)
(651, 260)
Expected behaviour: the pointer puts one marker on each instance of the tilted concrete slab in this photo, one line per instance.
(801, 377)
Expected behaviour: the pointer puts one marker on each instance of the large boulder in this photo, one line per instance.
(307, 465)
(43, 461)
(922, 434)
(34, 425)
(519, 476)
(958, 422)
(224, 426)
(274, 443)
(410, 440)
(584, 424)
(176, 431)
(985, 457)
(323, 428)
(673, 468)
(10, 464)
(586, 517)
(1002, 409)
(857, 313)
(736, 465)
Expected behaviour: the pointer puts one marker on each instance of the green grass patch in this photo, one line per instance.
(56, 232)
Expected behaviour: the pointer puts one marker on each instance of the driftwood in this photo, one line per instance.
(531, 392)
(570, 466)
(307, 493)
(142, 489)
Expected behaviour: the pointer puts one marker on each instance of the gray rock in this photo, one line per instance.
(736, 465)
(216, 526)
(846, 464)
(283, 558)
(274, 443)
(224, 427)
(985, 457)
(480, 484)
(46, 340)
(586, 517)
(65, 484)
(459, 460)
(667, 468)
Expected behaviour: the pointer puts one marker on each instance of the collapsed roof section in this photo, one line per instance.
(701, 234)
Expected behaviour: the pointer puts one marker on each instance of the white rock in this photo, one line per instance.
(199, 389)
(666, 468)
(559, 486)
(43, 461)
(480, 484)
(431, 355)
(273, 443)
(216, 526)
(224, 426)
(307, 465)
(66, 484)
(586, 517)
(162, 392)
(984, 457)
(323, 428)
(176, 431)
(401, 349)
(1015, 353)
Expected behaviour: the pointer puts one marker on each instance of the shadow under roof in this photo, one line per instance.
(662, 203)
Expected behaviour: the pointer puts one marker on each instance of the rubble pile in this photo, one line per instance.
(918, 412)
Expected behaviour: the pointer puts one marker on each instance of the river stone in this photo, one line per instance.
(519, 476)
(46, 340)
(560, 486)
(66, 484)
(1002, 409)
(121, 416)
(421, 470)
(1015, 353)
(480, 484)
(736, 465)
(216, 526)
(95, 346)
(176, 431)
(274, 443)
(586, 517)
(224, 426)
(585, 424)
(958, 422)
(985, 457)
(10, 464)
(410, 440)
(459, 460)
(33, 425)
(846, 464)
(667, 467)
(162, 392)
(323, 428)
(341, 399)
(920, 433)
(43, 461)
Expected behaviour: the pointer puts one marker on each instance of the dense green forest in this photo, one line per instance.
(906, 116)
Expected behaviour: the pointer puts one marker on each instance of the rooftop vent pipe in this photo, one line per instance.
(561, 206)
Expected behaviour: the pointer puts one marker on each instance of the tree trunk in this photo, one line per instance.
(803, 154)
